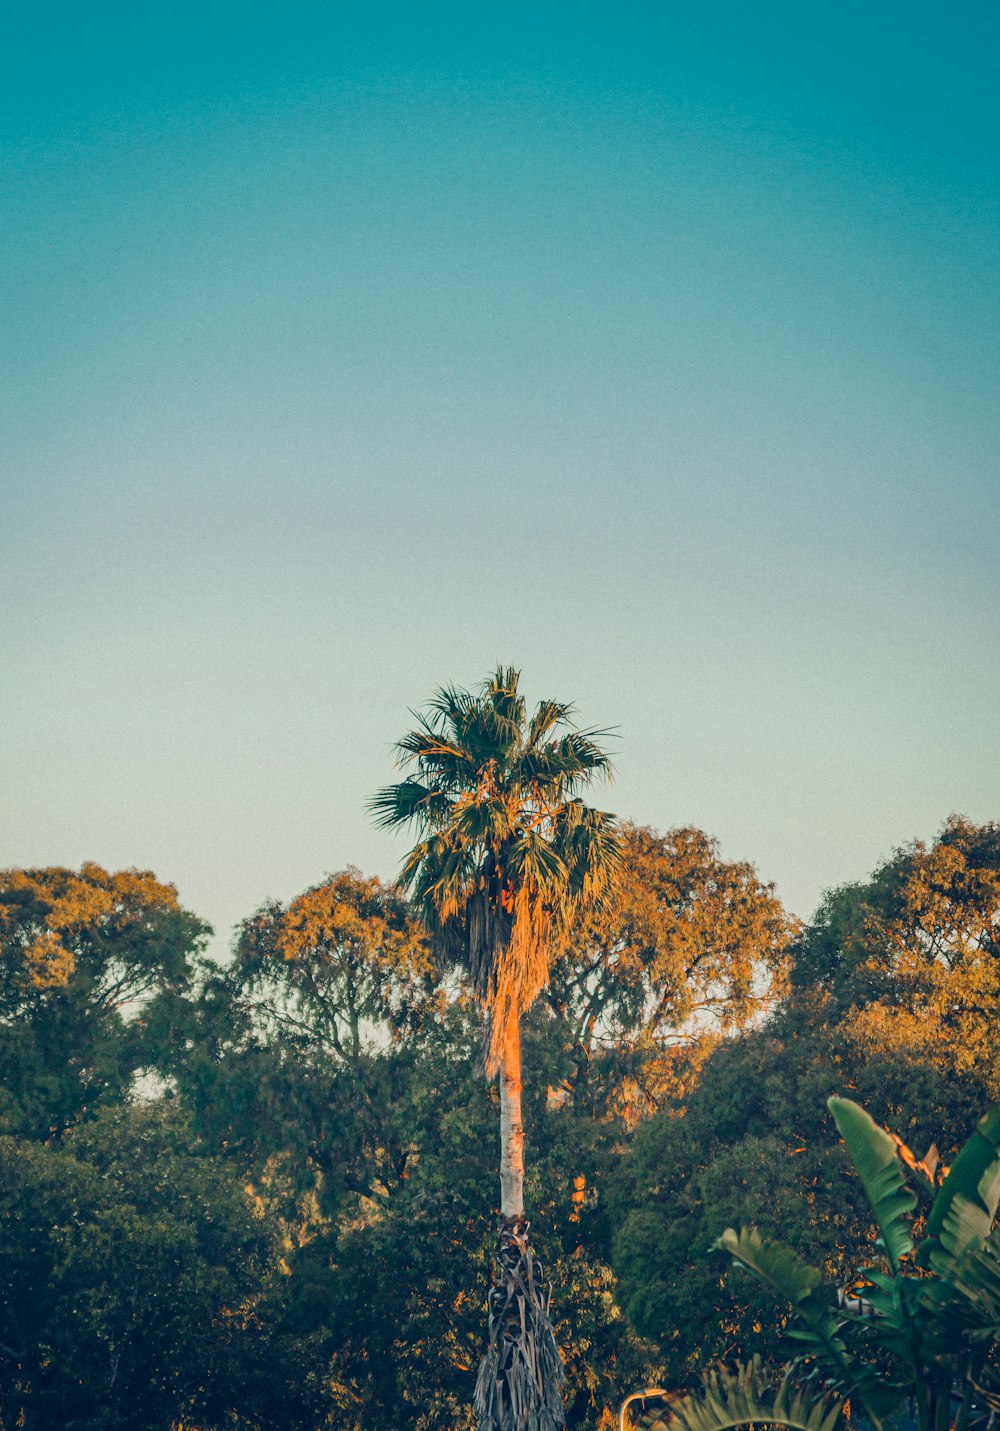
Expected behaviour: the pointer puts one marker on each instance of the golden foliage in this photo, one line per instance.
(46, 914)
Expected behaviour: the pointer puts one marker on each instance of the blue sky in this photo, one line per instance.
(350, 349)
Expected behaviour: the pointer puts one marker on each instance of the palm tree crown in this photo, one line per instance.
(508, 850)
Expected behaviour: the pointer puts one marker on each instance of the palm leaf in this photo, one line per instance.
(480, 821)
(583, 754)
(590, 846)
(533, 860)
(409, 800)
(449, 706)
(735, 1398)
(435, 753)
(779, 1266)
(548, 714)
(873, 1153)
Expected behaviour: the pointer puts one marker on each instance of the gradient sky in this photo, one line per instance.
(348, 349)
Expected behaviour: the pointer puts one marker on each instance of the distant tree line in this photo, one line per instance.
(261, 1194)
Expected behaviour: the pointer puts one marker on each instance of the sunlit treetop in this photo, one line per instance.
(120, 932)
(342, 957)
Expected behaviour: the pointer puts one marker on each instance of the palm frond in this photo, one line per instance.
(582, 751)
(505, 702)
(534, 861)
(480, 823)
(784, 1270)
(504, 682)
(410, 800)
(873, 1153)
(738, 1398)
(414, 863)
(589, 842)
(434, 754)
(449, 706)
(548, 714)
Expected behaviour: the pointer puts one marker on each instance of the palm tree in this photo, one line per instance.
(508, 854)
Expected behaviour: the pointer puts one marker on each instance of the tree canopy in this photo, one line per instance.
(92, 968)
(257, 1194)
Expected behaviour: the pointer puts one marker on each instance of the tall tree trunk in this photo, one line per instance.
(519, 1387)
(511, 1128)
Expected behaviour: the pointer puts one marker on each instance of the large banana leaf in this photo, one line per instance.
(728, 1399)
(978, 1278)
(965, 1229)
(895, 1324)
(975, 1178)
(873, 1153)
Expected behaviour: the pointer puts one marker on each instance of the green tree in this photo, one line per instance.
(335, 963)
(509, 854)
(95, 968)
(689, 947)
(915, 951)
(302, 1050)
(894, 1001)
(132, 1271)
(378, 1172)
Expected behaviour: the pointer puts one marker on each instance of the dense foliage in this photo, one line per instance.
(894, 1001)
(918, 1332)
(262, 1195)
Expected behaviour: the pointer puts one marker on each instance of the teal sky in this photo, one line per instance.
(347, 350)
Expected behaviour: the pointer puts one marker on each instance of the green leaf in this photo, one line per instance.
(776, 1264)
(801, 1285)
(873, 1153)
(965, 1297)
(975, 1178)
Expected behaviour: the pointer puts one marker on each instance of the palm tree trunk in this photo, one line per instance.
(519, 1387)
(511, 1127)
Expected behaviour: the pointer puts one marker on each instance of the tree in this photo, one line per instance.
(690, 946)
(894, 1001)
(916, 950)
(132, 1267)
(509, 854)
(94, 967)
(377, 1171)
(339, 959)
(301, 1049)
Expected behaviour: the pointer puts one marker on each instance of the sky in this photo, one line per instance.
(347, 350)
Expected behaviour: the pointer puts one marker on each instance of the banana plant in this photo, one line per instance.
(922, 1328)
